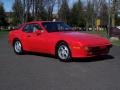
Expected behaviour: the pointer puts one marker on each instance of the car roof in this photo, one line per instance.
(41, 21)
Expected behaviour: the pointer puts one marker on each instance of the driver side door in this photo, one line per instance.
(34, 37)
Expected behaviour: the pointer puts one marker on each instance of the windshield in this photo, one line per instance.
(56, 26)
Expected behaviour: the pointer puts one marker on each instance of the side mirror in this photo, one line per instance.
(39, 32)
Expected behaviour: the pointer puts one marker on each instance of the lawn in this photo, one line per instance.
(104, 34)
(2, 32)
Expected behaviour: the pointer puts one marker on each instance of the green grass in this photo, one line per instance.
(102, 33)
(116, 42)
(2, 32)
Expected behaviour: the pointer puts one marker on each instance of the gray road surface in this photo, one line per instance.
(37, 72)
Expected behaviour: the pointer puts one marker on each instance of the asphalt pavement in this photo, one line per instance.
(40, 72)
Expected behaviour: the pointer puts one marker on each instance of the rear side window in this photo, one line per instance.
(56, 26)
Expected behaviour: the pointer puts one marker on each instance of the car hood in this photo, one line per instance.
(85, 38)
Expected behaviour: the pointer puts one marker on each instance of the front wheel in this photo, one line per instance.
(18, 47)
(63, 52)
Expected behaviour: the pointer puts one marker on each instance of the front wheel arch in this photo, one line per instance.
(58, 44)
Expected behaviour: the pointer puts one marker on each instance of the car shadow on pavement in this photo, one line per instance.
(39, 54)
(94, 59)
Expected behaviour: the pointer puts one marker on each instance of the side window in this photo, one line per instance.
(28, 28)
(36, 27)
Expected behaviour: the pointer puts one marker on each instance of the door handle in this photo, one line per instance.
(28, 36)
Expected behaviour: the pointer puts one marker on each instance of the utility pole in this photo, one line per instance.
(113, 12)
(109, 18)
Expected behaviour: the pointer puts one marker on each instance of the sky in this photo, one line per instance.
(8, 4)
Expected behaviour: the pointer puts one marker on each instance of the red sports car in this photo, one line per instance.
(57, 38)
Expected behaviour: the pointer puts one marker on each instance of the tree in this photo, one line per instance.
(3, 21)
(104, 14)
(38, 9)
(27, 7)
(90, 21)
(117, 19)
(77, 13)
(59, 3)
(31, 10)
(50, 6)
(64, 12)
(17, 12)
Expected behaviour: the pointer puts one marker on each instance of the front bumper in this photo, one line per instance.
(91, 51)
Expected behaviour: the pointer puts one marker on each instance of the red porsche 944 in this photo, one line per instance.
(57, 38)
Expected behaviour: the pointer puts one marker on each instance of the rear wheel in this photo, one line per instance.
(18, 49)
(63, 52)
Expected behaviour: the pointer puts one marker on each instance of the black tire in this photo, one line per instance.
(18, 49)
(64, 55)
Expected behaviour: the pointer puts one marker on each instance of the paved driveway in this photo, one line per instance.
(37, 72)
